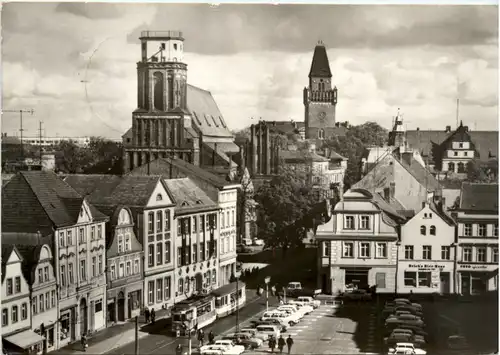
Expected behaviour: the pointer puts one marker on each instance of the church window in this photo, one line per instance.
(158, 91)
(321, 134)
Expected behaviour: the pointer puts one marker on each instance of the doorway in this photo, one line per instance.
(83, 317)
(324, 286)
(121, 307)
(444, 278)
(111, 312)
(465, 284)
(198, 282)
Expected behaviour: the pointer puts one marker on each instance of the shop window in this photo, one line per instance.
(445, 252)
(423, 230)
(348, 250)
(432, 230)
(65, 326)
(482, 230)
(467, 254)
(427, 252)
(409, 252)
(467, 229)
(424, 279)
(410, 278)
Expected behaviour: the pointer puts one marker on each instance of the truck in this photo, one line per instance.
(294, 289)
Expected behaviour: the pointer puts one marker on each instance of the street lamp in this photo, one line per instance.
(188, 327)
(267, 280)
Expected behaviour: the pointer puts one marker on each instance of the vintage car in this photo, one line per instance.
(230, 347)
(245, 339)
(357, 295)
(406, 348)
(310, 301)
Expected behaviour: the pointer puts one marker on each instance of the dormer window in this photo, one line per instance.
(215, 122)
(199, 202)
(206, 120)
(184, 204)
(197, 119)
(222, 122)
(460, 145)
(159, 197)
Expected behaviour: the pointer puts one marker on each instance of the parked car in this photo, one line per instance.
(419, 338)
(294, 309)
(302, 306)
(280, 323)
(406, 348)
(309, 300)
(245, 339)
(395, 338)
(258, 242)
(405, 319)
(240, 248)
(267, 331)
(212, 350)
(231, 348)
(417, 330)
(357, 295)
(397, 314)
(287, 317)
(247, 241)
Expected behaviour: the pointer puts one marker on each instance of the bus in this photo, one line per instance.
(193, 313)
(226, 301)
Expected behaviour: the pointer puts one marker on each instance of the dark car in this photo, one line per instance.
(244, 339)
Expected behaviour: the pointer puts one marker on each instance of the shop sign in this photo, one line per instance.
(426, 267)
(473, 267)
(229, 232)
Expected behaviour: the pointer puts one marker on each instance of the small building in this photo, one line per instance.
(426, 262)
(358, 244)
(16, 315)
(477, 219)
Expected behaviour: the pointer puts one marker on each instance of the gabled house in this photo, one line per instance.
(16, 316)
(41, 202)
(147, 210)
(427, 252)
(358, 244)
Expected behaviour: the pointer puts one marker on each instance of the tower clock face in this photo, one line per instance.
(322, 116)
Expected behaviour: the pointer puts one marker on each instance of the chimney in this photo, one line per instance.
(418, 128)
(392, 189)
(448, 129)
(424, 203)
(213, 154)
(387, 194)
(466, 128)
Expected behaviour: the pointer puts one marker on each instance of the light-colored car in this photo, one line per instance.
(357, 295)
(398, 313)
(294, 286)
(395, 338)
(418, 338)
(406, 348)
(292, 310)
(402, 300)
(212, 350)
(269, 315)
(247, 241)
(258, 242)
(310, 301)
(302, 306)
(265, 331)
(250, 331)
(286, 317)
(231, 347)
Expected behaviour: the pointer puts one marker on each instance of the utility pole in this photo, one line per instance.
(31, 111)
(237, 308)
(40, 140)
(136, 335)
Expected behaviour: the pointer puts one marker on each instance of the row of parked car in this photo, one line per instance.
(404, 324)
(272, 323)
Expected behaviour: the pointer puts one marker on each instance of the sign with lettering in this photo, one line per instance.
(229, 232)
(476, 267)
(426, 267)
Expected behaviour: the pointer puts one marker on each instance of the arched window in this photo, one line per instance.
(170, 92)
(321, 134)
(423, 230)
(159, 197)
(432, 230)
(451, 167)
(461, 168)
(158, 91)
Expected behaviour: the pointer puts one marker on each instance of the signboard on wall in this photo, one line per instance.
(426, 267)
(477, 267)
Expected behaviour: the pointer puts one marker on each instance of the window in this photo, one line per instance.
(151, 290)
(92, 233)
(460, 145)
(94, 266)
(482, 230)
(445, 252)
(432, 230)
(81, 235)
(455, 154)
(202, 223)
(63, 275)
(45, 275)
(494, 255)
(186, 283)
(364, 250)
(365, 222)
(481, 254)
(120, 243)
(214, 276)
(410, 278)
(24, 310)
(465, 154)
(467, 254)
(166, 287)
(409, 252)
(99, 231)
(159, 197)
(195, 224)
(495, 230)
(70, 238)
(136, 266)
(34, 305)
(380, 279)
(47, 300)
(467, 229)
(195, 252)
(5, 317)
(83, 270)
(61, 239)
(113, 272)
(159, 253)
(40, 276)
(167, 252)
(159, 289)
(381, 250)
(321, 134)
(167, 220)
(14, 314)
(426, 252)
(151, 255)
(222, 220)
(41, 304)
(222, 245)
(71, 277)
(423, 230)
(128, 244)
(349, 222)
(53, 298)
(121, 270)
(10, 289)
(424, 279)
(100, 265)
(326, 248)
(129, 268)
(348, 250)
(18, 284)
(159, 221)
(181, 286)
(151, 218)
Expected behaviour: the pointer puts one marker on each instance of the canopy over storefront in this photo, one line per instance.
(25, 339)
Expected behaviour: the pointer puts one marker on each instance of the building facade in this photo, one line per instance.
(477, 220)
(227, 202)
(427, 252)
(358, 244)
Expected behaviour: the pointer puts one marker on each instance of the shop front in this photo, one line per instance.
(24, 342)
(67, 322)
(477, 279)
(124, 302)
(425, 277)
(48, 332)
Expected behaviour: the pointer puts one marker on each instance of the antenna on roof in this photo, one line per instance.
(458, 98)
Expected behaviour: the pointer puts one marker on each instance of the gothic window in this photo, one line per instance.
(451, 167)
(321, 134)
(170, 92)
(158, 91)
(461, 168)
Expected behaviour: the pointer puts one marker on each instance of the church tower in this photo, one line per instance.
(397, 137)
(161, 116)
(320, 99)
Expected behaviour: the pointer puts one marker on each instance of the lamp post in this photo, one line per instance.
(237, 305)
(267, 280)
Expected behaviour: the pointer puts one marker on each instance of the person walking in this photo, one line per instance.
(211, 337)
(178, 349)
(201, 337)
(146, 314)
(289, 343)
(281, 344)
(84, 342)
(272, 343)
(153, 315)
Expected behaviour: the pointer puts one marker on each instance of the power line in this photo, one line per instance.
(21, 130)
(40, 140)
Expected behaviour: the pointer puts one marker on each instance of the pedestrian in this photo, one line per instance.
(272, 343)
(273, 290)
(201, 337)
(153, 315)
(178, 349)
(146, 314)
(289, 343)
(281, 344)
(211, 337)
(84, 342)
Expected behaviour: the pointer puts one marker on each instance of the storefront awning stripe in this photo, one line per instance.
(25, 339)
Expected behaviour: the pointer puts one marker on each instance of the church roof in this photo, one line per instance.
(189, 197)
(320, 66)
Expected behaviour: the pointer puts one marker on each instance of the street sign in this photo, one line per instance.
(267, 279)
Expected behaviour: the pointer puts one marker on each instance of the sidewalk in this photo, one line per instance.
(124, 333)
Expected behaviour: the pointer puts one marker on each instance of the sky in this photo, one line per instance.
(75, 63)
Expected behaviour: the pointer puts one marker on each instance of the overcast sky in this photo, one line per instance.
(254, 59)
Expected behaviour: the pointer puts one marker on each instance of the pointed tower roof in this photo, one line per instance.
(320, 66)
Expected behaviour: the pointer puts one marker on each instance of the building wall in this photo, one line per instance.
(408, 190)
(227, 234)
(15, 298)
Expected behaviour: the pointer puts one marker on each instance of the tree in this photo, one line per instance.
(481, 172)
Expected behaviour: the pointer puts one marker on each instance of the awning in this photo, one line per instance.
(25, 339)
(226, 147)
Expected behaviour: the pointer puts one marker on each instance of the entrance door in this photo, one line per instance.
(83, 317)
(198, 282)
(111, 312)
(444, 279)
(121, 307)
(465, 287)
(324, 286)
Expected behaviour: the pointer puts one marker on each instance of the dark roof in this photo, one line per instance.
(333, 155)
(31, 255)
(320, 66)
(229, 288)
(479, 197)
(284, 127)
(206, 114)
(189, 197)
(11, 140)
(6, 251)
(440, 212)
(297, 156)
(39, 201)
